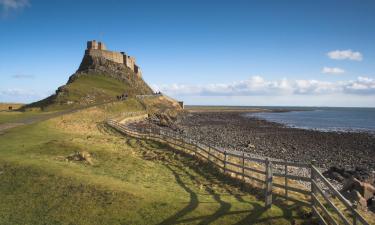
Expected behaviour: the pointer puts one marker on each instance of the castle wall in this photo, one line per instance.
(99, 49)
(109, 55)
(129, 61)
(137, 70)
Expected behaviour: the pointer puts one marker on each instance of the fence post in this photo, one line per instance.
(209, 152)
(312, 174)
(225, 161)
(286, 181)
(354, 216)
(243, 165)
(268, 191)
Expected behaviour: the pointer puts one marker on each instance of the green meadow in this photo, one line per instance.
(131, 181)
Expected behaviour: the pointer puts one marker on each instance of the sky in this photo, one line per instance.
(206, 52)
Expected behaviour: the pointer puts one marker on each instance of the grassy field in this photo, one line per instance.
(5, 106)
(130, 182)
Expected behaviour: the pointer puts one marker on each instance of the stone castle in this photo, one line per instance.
(99, 49)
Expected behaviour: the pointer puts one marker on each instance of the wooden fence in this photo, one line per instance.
(325, 201)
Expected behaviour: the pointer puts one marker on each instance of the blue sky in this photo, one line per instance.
(308, 53)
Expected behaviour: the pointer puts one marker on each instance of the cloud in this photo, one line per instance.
(345, 54)
(22, 95)
(23, 76)
(259, 86)
(333, 70)
(12, 5)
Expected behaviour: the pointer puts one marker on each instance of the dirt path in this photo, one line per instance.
(42, 117)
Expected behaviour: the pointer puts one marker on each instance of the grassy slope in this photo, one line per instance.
(132, 181)
(88, 89)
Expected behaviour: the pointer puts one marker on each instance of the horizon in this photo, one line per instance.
(301, 54)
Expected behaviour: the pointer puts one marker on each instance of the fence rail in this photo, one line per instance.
(263, 171)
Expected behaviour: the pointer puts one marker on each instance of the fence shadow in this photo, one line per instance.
(189, 165)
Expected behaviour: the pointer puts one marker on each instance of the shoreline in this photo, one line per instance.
(339, 130)
(233, 130)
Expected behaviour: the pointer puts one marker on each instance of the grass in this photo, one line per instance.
(5, 106)
(92, 88)
(131, 182)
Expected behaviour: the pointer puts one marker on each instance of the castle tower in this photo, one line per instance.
(129, 61)
(101, 46)
(92, 44)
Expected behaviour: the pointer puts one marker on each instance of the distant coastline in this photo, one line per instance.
(324, 119)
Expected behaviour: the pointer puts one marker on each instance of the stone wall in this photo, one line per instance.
(98, 49)
(109, 55)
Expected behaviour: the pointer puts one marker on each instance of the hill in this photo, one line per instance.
(99, 79)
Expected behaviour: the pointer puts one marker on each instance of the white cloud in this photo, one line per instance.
(23, 76)
(9, 6)
(259, 86)
(14, 4)
(333, 70)
(345, 54)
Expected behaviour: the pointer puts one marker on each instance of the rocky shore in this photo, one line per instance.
(232, 130)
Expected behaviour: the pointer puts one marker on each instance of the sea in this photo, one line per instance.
(322, 118)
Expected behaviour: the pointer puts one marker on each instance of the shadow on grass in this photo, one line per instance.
(188, 165)
(193, 203)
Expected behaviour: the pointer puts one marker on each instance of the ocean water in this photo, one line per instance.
(323, 119)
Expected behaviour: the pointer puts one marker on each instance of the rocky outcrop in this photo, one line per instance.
(99, 65)
(360, 193)
(341, 174)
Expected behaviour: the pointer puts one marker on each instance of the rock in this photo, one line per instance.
(250, 145)
(334, 175)
(368, 191)
(81, 156)
(357, 198)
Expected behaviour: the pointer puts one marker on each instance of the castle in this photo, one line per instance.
(99, 49)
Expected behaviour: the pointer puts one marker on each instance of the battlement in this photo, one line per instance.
(99, 49)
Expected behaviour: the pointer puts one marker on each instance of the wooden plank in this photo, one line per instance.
(306, 179)
(255, 170)
(234, 154)
(217, 150)
(234, 164)
(301, 191)
(233, 171)
(255, 159)
(255, 178)
(279, 174)
(328, 184)
(328, 215)
(317, 214)
(325, 196)
(217, 158)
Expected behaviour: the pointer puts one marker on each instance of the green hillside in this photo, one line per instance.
(88, 89)
(131, 181)
(96, 81)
